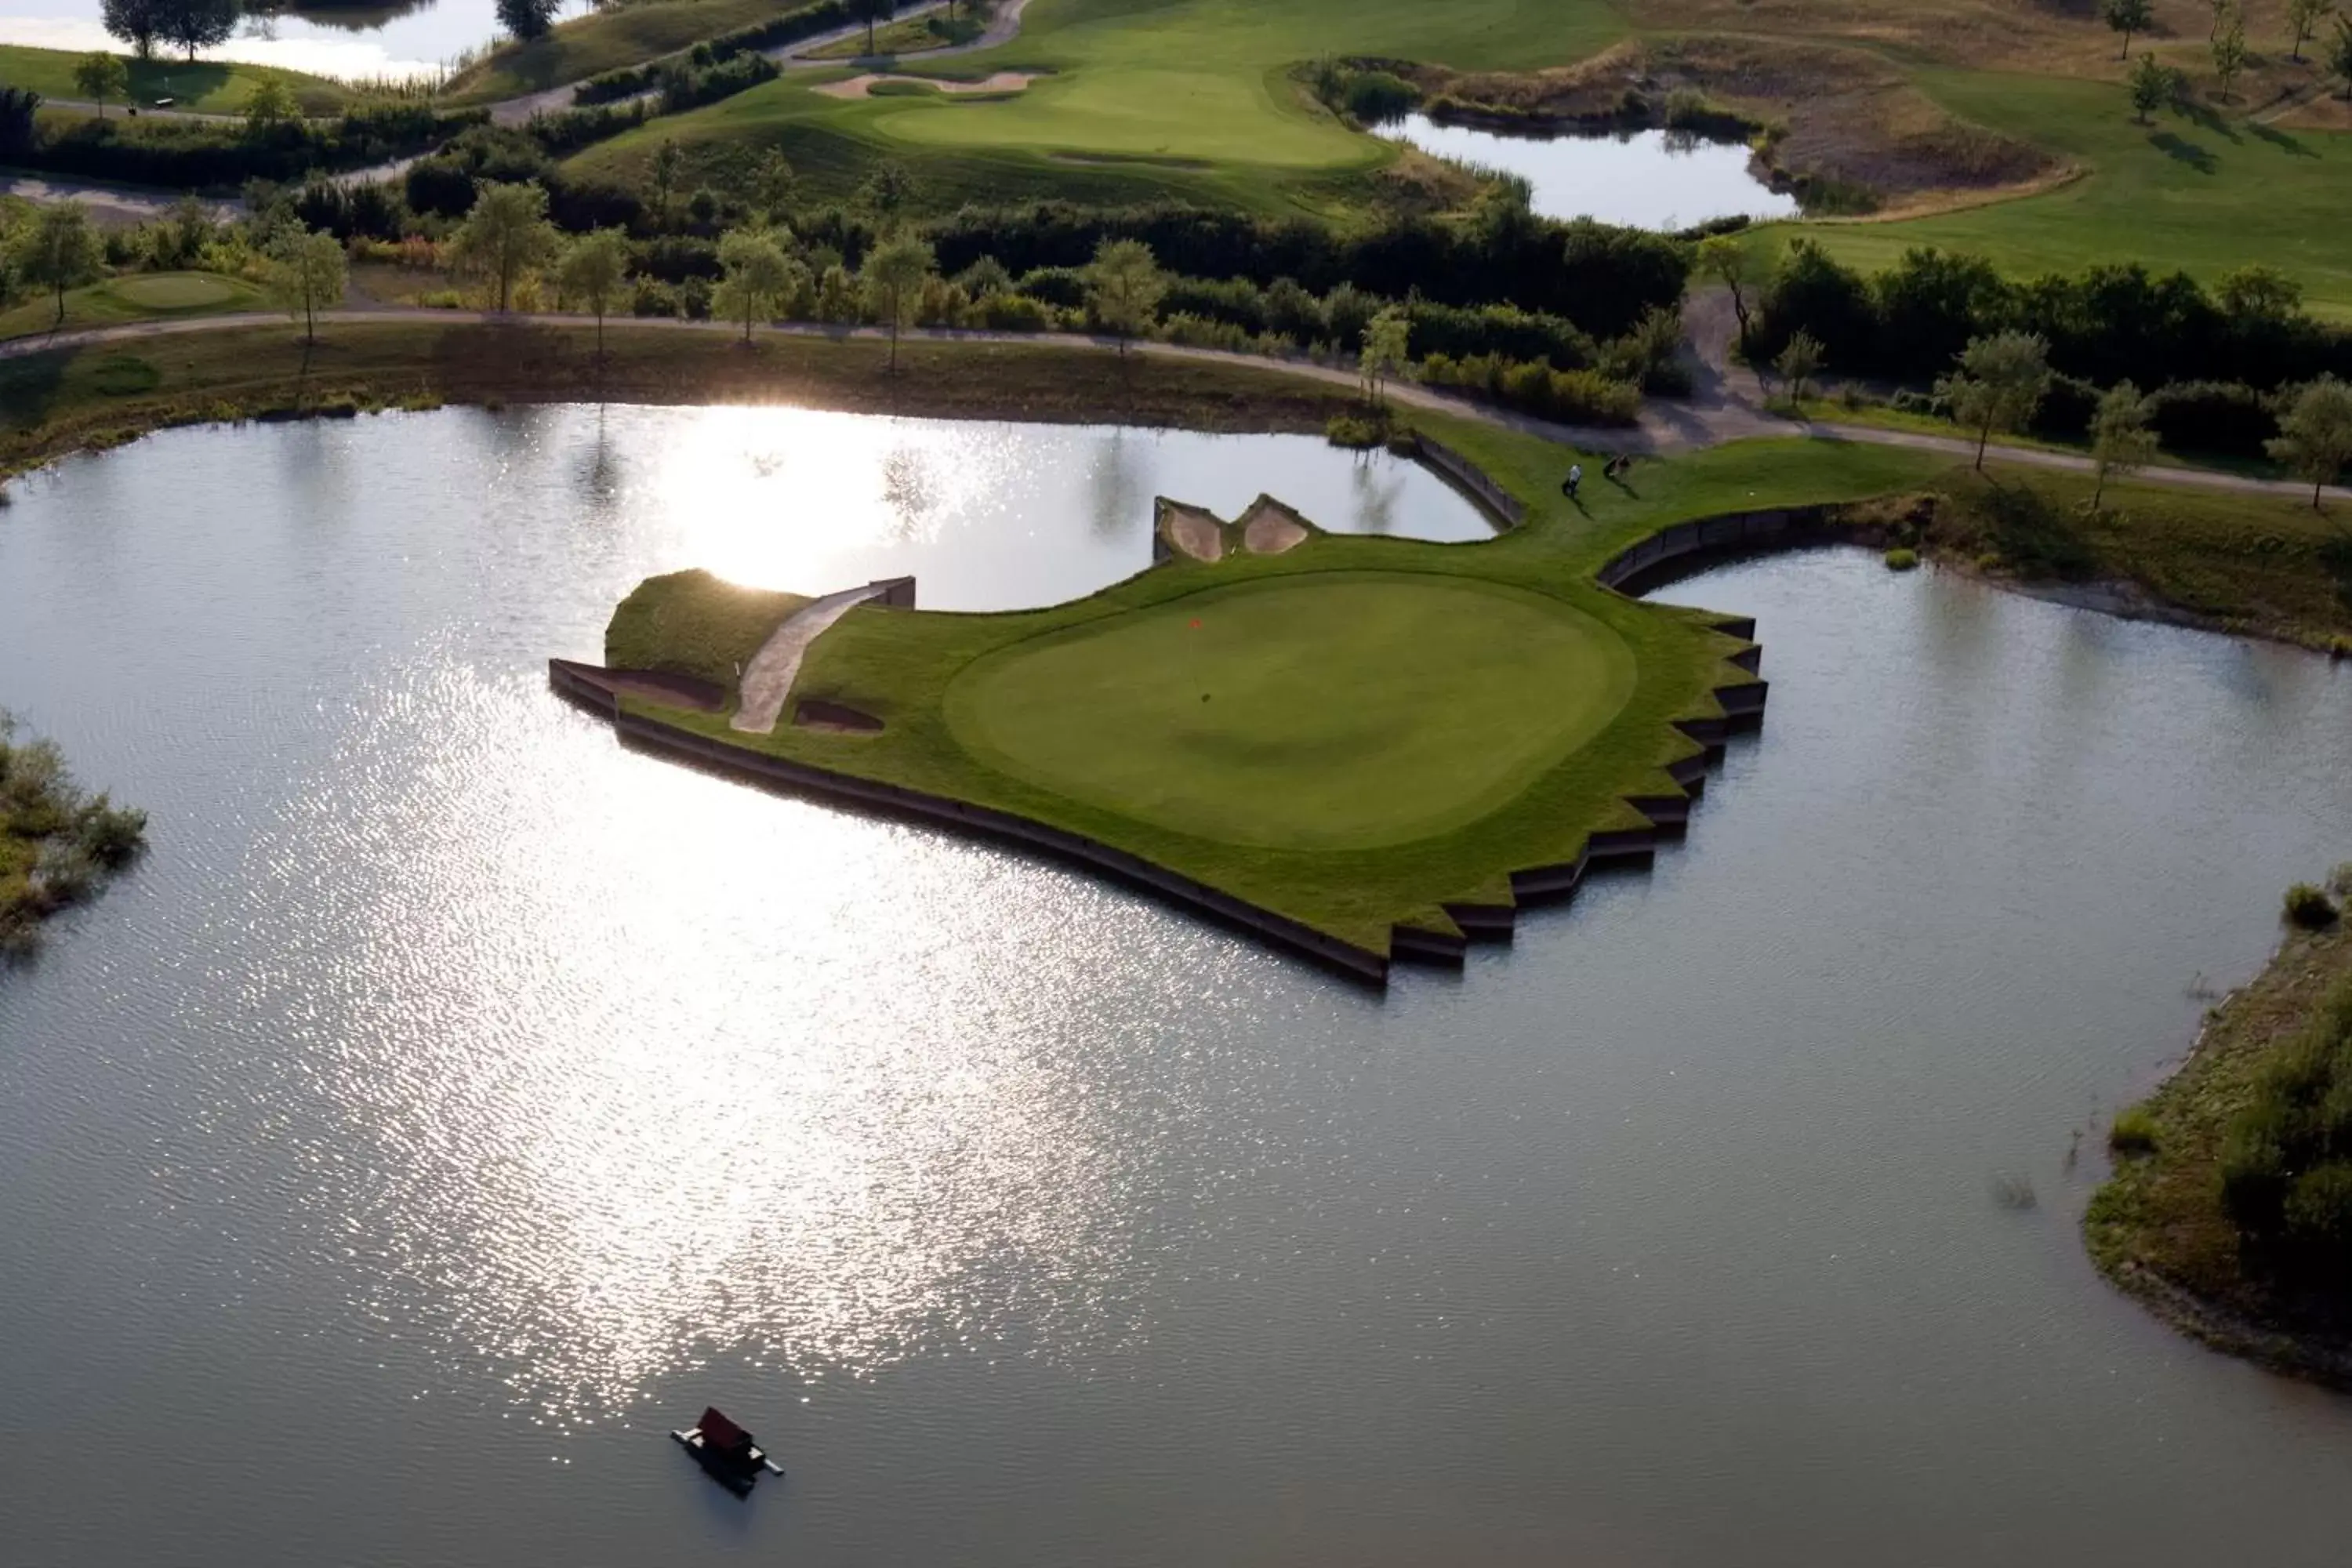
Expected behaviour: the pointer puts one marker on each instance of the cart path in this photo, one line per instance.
(1664, 427)
(768, 678)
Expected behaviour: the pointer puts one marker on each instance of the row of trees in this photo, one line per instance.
(189, 25)
(2153, 84)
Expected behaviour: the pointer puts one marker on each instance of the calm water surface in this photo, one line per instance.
(1644, 179)
(453, 1102)
(356, 42)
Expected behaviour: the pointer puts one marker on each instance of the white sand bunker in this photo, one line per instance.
(863, 86)
(1265, 527)
(1195, 532)
(1269, 527)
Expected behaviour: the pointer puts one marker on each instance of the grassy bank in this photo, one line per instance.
(135, 297)
(2159, 1229)
(57, 846)
(604, 40)
(205, 87)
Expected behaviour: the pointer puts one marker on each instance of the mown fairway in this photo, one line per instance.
(2208, 193)
(1335, 711)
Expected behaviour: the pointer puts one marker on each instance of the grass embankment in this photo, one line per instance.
(2207, 193)
(204, 87)
(604, 40)
(136, 296)
(1191, 99)
(914, 35)
(2160, 1230)
(57, 845)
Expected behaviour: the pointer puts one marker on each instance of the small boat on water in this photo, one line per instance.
(726, 1452)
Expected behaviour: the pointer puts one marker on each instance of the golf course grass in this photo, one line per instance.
(1213, 714)
(135, 297)
(202, 86)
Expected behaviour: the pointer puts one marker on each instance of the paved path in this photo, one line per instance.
(768, 678)
(112, 206)
(1664, 427)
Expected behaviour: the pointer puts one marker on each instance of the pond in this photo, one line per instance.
(361, 42)
(1661, 180)
(454, 1100)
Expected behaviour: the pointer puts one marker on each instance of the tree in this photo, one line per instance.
(59, 249)
(2128, 16)
(271, 105)
(506, 236)
(306, 271)
(102, 76)
(895, 273)
(527, 19)
(2121, 442)
(2221, 9)
(1124, 288)
(138, 23)
(2339, 54)
(759, 275)
(2230, 55)
(669, 163)
(1798, 363)
(1998, 385)
(2258, 293)
(1733, 261)
(870, 12)
(594, 270)
(197, 24)
(19, 109)
(888, 192)
(2152, 87)
(2315, 436)
(772, 178)
(1386, 342)
(2303, 19)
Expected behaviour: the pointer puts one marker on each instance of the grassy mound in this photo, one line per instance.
(1214, 714)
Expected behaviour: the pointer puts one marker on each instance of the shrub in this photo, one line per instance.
(1902, 560)
(1374, 97)
(2318, 1210)
(2134, 1133)
(1352, 430)
(2310, 908)
(1009, 312)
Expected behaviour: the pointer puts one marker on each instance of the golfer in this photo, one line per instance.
(1575, 478)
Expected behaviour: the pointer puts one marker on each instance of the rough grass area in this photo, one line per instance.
(2158, 1228)
(913, 34)
(207, 87)
(2209, 192)
(604, 41)
(136, 296)
(691, 623)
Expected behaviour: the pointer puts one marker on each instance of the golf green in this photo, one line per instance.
(1342, 710)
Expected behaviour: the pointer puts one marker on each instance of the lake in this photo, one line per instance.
(453, 1102)
(361, 42)
(1661, 180)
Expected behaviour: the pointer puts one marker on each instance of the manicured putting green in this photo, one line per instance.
(1343, 710)
(174, 291)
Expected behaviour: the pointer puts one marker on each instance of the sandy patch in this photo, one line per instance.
(863, 86)
(1191, 531)
(1270, 528)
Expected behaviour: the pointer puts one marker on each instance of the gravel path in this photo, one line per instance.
(1664, 427)
(768, 678)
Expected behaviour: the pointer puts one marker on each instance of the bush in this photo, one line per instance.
(1353, 430)
(1015, 313)
(2318, 1210)
(1375, 96)
(1902, 560)
(2134, 1133)
(2310, 908)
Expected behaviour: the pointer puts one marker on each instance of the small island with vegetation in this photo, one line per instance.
(57, 845)
(2230, 1211)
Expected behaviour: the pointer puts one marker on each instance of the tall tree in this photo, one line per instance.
(505, 237)
(870, 12)
(2258, 293)
(1733, 261)
(101, 76)
(59, 249)
(2315, 436)
(528, 19)
(2303, 19)
(773, 177)
(1124, 288)
(2128, 16)
(271, 105)
(594, 270)
(2230, 53)
(138, 23)
(199, 23)
(895, 273)
(669, 163)
(759, 275)
(887, 193)
(2121, 441)
(1388, 338)
(2221, 9)
(2339, 54)
(1997, 385)
(2152, 87)
(307, 273)
(19, 107)
(1799, 362)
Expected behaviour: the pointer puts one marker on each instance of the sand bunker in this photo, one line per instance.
(1195, 532)
(863, 86)
(1269, 527)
